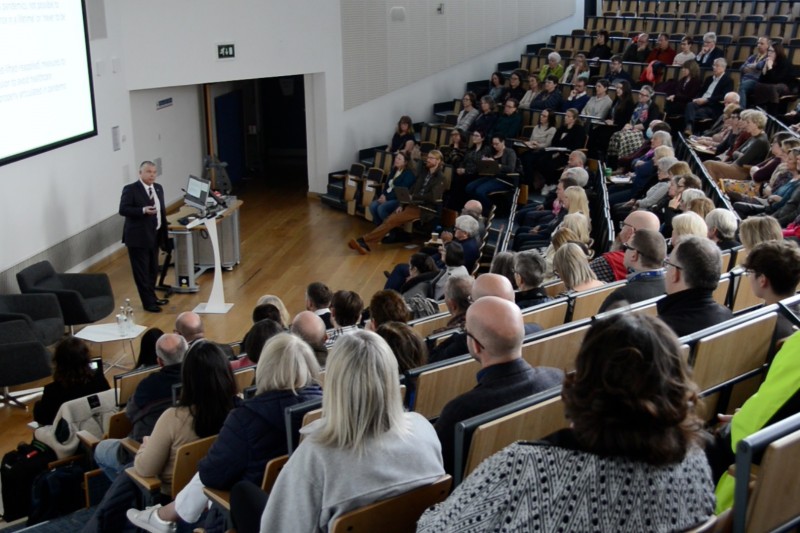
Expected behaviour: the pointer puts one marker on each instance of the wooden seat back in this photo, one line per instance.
(398, 514)
(587, 304)
(186, 460)
(125, 384)
(532, 423)
(547, 316)
(244, 378)
(735, 351)
(431, 323)
(720, 294)
(437, 387)
(743, 296)
(558, 350)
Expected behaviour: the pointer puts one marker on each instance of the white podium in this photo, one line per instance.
(216, 302)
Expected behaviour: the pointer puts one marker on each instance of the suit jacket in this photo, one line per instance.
(497, 385)
(707, 60)
(724, 86)
(140, 229)
(691, 310)
(428, 194)
(638, 289)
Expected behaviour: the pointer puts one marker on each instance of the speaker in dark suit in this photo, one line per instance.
(142, 205)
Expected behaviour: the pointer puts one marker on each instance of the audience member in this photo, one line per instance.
(286, 318)
(455, 151)
(72, 378)
(532, 92)
(722, 227)
(515, 89)
(457, 298)
(310, 327)
(318, 301)
(427, 191)
(254, 341)
(147, 348)
(506, 159)
(386, 201)
(529, 269)
(600, 49)
(494, 330)
(709, 104)
(553, 68)
(686, 53)
(485, 121)
(773, 268)
(644, 256)
(550, 96)
(387, 306)
(578, 70)
(751, 69)
(153, 395)
(571, 264)
(509, 122)
(756, 230)
(578, 97)
(692, 273)
(688, 224)
(633, 431)
(751, 152)
(638, 50)
(616, 71)
(190, 326)
(774, 79)
(709, 52)
(266, 312)
(468, 170)
(363, 436)
(503, 264)
(468, 112)
(421, 269)
(631, 136)
(346, 308)
(403, 139)
(497, 86)
(610, 266)
(406, 344)
(684, 90)
(701, 206)
(252, 434)
(662, 52)
(599, 105)
(453, 257)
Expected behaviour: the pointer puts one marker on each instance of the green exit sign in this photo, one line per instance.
(226, 51)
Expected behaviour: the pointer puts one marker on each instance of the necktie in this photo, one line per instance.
(150, 192)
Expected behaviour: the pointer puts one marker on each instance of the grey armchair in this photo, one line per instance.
(84, 298)
(40, 311)
(23, 358)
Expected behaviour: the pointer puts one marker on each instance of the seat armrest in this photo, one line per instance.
(36, 306)
(87, 440)
(220, 497)
(130, 445)
(149, 484)
(88, 285)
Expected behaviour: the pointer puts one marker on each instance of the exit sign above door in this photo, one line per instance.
(226, 51)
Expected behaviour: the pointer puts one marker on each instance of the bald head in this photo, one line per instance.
(495, 330)
(190, 326)
(473, 206)
(309, 327)
(171, 348)
(636, 221)
(493, 285)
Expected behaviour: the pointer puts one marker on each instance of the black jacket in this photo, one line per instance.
(691, 310)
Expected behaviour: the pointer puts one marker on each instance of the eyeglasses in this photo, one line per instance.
(622, 225)
(750, 272)
(666, 263)
(463, 330)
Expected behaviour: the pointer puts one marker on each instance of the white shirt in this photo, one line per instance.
(156, 202)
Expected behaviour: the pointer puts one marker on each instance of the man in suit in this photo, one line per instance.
(709, 103)
(494, 330)
(142, 205)
(644, 255)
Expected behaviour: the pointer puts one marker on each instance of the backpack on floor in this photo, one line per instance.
(56, 492)
(17, 471)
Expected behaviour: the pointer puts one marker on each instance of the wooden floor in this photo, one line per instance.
(287, 241)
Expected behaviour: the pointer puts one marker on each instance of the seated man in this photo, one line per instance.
(318, 301)
(610, 266)
(311, 328)
(773, 268)
(709, 103)
(578, 97)
(346, 308)
(644, 255)
(616, 71)
(494, 330)
(692, 274)
(426, 194)
(190, 326)
(151, 398)
(457, 298)
(638, 50)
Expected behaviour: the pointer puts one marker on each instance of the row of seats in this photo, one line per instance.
(700, 7)
(777, 27)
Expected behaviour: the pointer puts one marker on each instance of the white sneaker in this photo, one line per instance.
(547, 189)
(150, 521)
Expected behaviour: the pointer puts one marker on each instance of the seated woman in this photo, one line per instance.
(574, 201)
(252, 435)
(571, 264)
(420, 268)
(579, 69)
(503, 264)
(570, 136)
(364, 449)
(532, 92)
(541, 138)
(575, 228)
(467, 171)
(403, 139)
(785, 182)
(73, 378)
(406, 344)
(684, 90)
(286, 318)
(631, 136)
(497, 86)
(687, 223)
(750, 153)
(599, 105)
(774, 80)
(631, 459)
(550, 97)
(553, 67)
(468, 112)
(506, 159)
(454, 152)
(387, 203)
(208, 393)
(515, 89)
(685, 52)
(254, 341)
(452, 255)
(620, 115)
(147, 348)
(484, 122)
(761, 174)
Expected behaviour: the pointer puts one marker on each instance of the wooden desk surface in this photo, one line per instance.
(186, 211)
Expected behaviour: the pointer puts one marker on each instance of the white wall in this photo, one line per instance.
(159, 49)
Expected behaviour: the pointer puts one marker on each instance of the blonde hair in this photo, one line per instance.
(663, 151)
(755, 230)
(286, 363)
(578, 202)
(578, 223)
(689, 223)
(680, 168)
(572, 265)
(562, 236)
(361, 398)
(286, 318)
